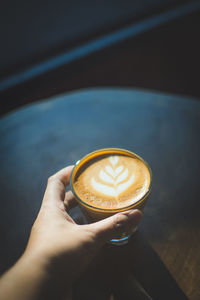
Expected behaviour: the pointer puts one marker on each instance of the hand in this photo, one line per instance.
(60, 249)
(56, 234)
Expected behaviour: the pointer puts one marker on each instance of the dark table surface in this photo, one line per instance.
(40, 139)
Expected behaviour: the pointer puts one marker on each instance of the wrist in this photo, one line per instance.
(49, 265)
(44, 272)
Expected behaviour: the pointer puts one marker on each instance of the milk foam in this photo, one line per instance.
(113, 181)
(116, 176)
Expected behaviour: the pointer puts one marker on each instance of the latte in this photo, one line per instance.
(112, 180)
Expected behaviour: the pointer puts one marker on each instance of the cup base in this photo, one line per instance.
(123, 240)
(120, 242)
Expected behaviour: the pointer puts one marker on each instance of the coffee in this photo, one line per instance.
(112, 181)
(108, 181)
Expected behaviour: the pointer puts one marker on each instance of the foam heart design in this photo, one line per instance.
(115, 179)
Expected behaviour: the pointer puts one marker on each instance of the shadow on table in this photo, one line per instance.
(132, 271)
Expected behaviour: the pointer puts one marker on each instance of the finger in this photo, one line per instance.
(115, 225)
(77, 216)
(69, 201)
(56, 186)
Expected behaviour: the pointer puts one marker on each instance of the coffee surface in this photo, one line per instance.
(112, 181)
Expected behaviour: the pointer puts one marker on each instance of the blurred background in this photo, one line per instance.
(48, 47)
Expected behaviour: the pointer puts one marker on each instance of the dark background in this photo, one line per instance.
(165, 58)
(32, 28)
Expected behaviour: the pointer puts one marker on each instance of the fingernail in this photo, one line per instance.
(134, 215)
(129, 218)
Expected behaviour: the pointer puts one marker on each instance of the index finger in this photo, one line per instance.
(63, 175)
(56, 185)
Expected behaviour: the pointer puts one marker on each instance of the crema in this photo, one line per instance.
(112, 181)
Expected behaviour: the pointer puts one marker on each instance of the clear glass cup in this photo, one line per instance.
(94, 214)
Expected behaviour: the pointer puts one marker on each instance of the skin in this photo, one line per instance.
(58, 249)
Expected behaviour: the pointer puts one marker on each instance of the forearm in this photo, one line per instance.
(30, 279)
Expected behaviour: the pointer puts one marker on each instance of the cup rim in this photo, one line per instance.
(107, 209)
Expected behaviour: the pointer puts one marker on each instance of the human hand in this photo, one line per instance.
(67, 247)
(58, 249)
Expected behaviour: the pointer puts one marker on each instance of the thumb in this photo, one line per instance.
(114, 226)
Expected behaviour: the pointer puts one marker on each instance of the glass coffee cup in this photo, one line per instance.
(109, 181)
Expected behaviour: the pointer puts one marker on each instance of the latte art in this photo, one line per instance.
(112, 181)
(117, 176)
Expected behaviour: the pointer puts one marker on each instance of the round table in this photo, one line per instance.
(39, 139)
